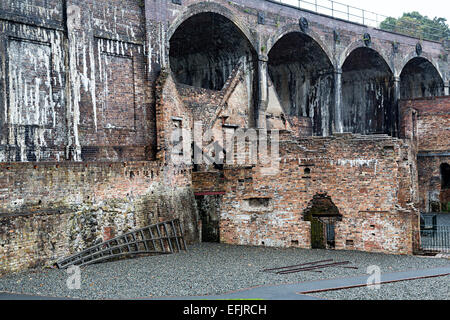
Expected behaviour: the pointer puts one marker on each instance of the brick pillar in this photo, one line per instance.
(397, 97)
(263, 92)
(397, 92)
(338, 125)
(76, 19)
(157, 38)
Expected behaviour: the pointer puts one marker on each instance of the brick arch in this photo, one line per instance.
(360, 44)
(425, 56)
(211, 7)
(291, 28)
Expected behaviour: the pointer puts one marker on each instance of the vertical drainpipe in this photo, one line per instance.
(447, 88)
(338, 126)
(157, 54)
(263, 92)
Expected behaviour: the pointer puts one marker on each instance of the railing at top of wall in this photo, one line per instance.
(352, 14)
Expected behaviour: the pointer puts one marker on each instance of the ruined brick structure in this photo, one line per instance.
(92, 90)
(427, 124)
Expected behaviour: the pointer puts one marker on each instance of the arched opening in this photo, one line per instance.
(368, 97)
(206, 48)
(323, 215)
(420, 79)
(303, 77)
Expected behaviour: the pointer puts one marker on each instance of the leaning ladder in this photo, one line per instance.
(162, 238)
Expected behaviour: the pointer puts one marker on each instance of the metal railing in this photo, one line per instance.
(368, 18)
(435, 239)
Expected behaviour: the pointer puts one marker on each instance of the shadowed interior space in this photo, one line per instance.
(368, 94)
(302, 75)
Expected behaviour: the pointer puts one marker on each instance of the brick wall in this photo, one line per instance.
(49, 210)
(429, 128)
(83, 94)
(433, 122)
(368, 179)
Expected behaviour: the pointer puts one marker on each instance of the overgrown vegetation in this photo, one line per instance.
(417, 25)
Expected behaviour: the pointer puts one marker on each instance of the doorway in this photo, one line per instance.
(323, 215)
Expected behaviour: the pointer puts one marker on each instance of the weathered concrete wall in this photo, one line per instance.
(368, 179)
(48, 211)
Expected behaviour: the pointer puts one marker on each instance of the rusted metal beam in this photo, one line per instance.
(315, 267)
(299, 265)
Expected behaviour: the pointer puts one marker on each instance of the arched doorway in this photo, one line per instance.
(323, 215)
(368, 96)
(303, 77)
(420, 79)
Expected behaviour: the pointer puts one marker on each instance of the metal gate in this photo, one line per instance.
(318, 234)
(435, 239)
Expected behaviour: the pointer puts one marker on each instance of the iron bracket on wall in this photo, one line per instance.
(261, 18)
(304, 24)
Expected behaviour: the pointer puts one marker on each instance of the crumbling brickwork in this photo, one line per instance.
(49, 211)
(92, 91)
(362, 175)
(427, 123)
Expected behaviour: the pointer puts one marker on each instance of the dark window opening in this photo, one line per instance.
(445, 176)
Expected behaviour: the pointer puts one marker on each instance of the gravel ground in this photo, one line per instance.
(424, 289)
(206, 269)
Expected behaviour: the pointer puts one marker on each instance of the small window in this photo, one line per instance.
(258, 205)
